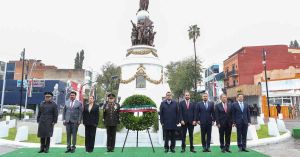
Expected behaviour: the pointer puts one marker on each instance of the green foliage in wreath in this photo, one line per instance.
(144, 122)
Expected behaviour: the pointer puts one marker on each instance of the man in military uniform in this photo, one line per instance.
(47, 117)
(111, 120)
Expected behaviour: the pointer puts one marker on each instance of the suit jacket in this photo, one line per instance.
(72, 114)
(169, 114)
(206, 116)
(223, 118)
(111, 114)
(91, 117)
(239, 116)
(188, 115)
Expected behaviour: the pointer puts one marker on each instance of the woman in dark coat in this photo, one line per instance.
(90, 121)
(47, 117)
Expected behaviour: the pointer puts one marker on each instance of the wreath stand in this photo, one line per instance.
(137, 139)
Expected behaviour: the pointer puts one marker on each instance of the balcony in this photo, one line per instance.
(247, 90)
(233, 73)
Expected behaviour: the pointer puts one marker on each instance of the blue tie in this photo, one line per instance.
(205, 103)
(242, 106)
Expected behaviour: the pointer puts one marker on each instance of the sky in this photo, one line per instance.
(54, 30)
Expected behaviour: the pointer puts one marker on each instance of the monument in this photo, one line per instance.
(141, 70)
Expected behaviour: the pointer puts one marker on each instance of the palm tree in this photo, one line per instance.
(194, 33)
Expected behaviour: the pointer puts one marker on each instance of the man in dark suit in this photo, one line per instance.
(206, 117)
(111, 120)
(241, 119)
(187, 120)
(223, 112)
(169, 118)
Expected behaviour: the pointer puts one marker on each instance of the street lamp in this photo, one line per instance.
(3, 87)
(22, 81)
(264, 53)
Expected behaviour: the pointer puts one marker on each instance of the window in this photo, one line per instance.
(10, 67)
(140, 82)
(280, 100)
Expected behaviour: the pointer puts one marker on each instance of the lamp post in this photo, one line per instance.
(264, 53)
(22, 82)
(3, 87)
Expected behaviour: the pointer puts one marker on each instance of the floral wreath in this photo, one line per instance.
(138, 103)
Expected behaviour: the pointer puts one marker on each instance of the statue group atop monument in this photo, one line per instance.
(142, 31)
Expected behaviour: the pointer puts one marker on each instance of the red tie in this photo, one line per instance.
(225, 107)
(187, 104)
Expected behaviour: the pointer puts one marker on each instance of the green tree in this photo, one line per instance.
(108, 80)
(296, 44)
(181, 76)
(79, 60)
(291, 44)
(194, 33)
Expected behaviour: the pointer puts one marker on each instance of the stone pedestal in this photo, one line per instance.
(281, 126)
(57, 136)
(273, 129)
(22, 134)
(252, 134)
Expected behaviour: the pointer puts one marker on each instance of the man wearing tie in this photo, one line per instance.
(72, 114)
(169, 118)
(223, 112)
(206, 117)
(188, 120)
(241, 119)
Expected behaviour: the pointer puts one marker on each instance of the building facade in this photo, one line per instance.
(241, 67)
(211, 83)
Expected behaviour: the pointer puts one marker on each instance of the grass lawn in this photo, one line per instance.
(129, 152)
(32, 138)
(262, 133)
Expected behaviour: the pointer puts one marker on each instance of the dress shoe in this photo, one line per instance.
(223, 151)
(166, 150)
(68, 150)
(193, 151)
(172, 150)
(46, 151)
(245, 150)
(204, 150)
(183, 150)
(228, 151)
(41, 151)
(208, 150)
(240, 150)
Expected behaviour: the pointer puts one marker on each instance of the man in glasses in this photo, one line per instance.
(111, 120)
(47, 117)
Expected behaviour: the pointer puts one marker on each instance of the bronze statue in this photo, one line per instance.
(142, 32)
(144, 5)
